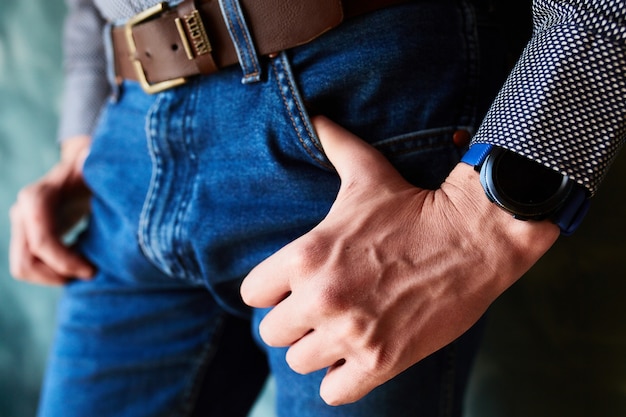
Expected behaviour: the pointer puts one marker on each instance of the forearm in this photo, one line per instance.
(75, 148)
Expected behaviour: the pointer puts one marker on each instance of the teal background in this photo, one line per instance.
(29, 89)
(555, 343)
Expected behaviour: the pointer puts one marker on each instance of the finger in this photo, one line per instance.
(26, 267)
(42, 242)
(313, 352)
(268, 283)
(286, 323)
(352, 157)
(60, 258)
(36, 272)
(346, 383)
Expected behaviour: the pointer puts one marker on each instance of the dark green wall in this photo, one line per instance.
(555, 343)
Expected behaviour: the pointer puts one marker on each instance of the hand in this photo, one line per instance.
(43, 213)
(392, 274)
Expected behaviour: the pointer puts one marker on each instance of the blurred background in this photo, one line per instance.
(555, 343)
(30, 72)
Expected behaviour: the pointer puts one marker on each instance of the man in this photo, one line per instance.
(198, 183)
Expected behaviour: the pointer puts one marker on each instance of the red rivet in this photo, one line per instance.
(461, 138)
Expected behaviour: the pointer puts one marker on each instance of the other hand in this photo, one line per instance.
(43, 212)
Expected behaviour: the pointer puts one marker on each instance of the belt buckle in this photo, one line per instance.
(141, 75)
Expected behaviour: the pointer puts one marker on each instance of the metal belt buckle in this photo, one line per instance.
(141, 75)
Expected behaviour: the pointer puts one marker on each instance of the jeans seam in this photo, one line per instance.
(144, 238)
(282, 60)
(189, 397)
(188, 268)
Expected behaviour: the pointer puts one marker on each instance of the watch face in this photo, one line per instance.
(522, 186)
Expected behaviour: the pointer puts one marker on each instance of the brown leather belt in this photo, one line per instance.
(163, 46)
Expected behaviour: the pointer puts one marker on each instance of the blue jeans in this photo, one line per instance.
(194, 186)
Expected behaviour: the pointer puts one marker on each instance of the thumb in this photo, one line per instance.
(352, 157)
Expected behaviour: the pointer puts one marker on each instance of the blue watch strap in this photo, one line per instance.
(476, 154)
(571, 215)
(568, 218)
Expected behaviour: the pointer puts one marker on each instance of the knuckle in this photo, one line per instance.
(21, 271)
(25, 195)
(375, 361)
(378, 360)
(17, 273)
(38, 241)
(329, 299)
(311, 253)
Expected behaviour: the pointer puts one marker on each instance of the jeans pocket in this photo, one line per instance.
(423, 156)
(299, 118)
(403, 79)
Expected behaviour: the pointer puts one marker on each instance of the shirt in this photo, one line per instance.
(563, 105)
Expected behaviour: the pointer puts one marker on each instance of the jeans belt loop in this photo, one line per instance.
(110, 62)
(242, 39)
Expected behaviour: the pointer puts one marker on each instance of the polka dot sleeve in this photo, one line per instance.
(564, 103)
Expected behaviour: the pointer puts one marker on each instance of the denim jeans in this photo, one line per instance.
(194, 186)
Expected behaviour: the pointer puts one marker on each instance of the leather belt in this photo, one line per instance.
(162, 46)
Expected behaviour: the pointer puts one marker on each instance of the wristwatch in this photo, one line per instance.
(527, 189)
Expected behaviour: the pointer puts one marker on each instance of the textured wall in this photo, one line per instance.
(555, 344)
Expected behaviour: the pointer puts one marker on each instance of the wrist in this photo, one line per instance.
(464, 186)
(527, 189)
(75, 149)
(69, 169)
(496, 236)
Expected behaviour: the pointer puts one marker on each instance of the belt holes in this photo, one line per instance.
(174, 47)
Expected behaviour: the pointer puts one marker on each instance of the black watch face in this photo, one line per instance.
(522, 186)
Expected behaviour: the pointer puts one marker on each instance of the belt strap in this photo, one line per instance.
(162, 46)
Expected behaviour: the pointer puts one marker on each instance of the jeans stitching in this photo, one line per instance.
(144, 238)
(249, 47)
(282, 61)
(185, 260)
(438, 138)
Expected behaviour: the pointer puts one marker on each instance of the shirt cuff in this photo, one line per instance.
(564, 104)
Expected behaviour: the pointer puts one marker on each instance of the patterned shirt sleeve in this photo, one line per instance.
(85, 84)
(564, 103)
